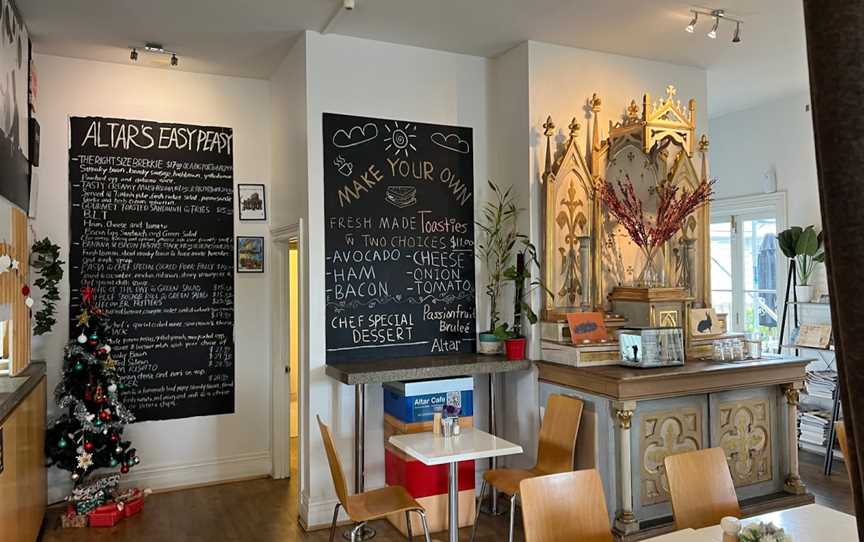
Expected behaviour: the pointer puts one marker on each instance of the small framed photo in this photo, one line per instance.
(250, 254)
(587, 327)
(251, 202)
(705, 323)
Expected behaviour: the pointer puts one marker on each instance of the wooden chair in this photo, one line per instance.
(555, 454)
(840, 431)
(565, 507)
(370, 505)
(701, 488)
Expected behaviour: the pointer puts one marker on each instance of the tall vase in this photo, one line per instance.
(653, 269)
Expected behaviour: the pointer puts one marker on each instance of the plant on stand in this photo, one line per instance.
(499, 237)
(518, 274)
(804, 246)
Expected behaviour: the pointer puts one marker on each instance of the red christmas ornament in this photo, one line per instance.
(25, 290)
(115, 437)
(105, 415)
(125, 468)
(88, 446)
(87, 294)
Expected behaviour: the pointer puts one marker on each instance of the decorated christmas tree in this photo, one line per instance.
(89, 433)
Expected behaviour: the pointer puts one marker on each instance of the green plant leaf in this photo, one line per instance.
(808, 242)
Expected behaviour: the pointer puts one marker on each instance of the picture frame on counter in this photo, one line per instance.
(705, 323)
(252, 202)
(250, 254)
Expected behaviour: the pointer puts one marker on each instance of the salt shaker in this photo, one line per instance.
(731, 527)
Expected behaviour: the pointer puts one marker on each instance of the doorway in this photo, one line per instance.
(287, 350)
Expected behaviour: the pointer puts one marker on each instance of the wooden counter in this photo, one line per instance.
(420, 368)
(634, 418)
(23, 476)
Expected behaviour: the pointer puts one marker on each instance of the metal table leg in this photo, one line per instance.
(453, 502)
(493, 461)
(366, 532)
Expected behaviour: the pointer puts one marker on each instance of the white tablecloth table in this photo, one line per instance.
(810, 523)
(431, 449)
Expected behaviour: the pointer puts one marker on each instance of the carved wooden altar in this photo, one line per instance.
(586, 253)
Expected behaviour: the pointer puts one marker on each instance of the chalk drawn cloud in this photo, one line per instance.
(451, 142)
(355, 136)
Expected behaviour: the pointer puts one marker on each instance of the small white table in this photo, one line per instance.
(431, 449)
(810, 523)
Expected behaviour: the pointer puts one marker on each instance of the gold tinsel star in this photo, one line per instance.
(110, 363)
(83, 318)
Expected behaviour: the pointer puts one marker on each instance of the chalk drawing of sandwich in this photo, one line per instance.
(401, 196)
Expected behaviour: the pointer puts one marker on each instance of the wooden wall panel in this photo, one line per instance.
(11, 283)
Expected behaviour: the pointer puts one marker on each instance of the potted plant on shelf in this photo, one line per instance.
(804, 247)
(498, 239)
(514, 340)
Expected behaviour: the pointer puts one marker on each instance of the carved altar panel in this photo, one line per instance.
(569, 216)
(662, 434)
(744, 433)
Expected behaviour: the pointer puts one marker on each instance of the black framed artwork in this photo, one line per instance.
(252, 202)
(250, 254)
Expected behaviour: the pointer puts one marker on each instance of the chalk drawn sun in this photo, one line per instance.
(399, 138)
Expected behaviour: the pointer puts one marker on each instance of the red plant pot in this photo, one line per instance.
(515, 348)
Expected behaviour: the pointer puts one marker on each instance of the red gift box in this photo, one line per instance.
(106, 515)
(133, 507)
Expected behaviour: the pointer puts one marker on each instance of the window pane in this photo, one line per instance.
(721, 256)
(760, 315)
(760, 254)
(721, 301)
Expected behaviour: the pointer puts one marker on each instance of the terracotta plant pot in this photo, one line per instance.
(515, 348)
(489, 344)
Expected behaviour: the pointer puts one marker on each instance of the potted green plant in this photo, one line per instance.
(498, 239)
(514, 340)
(804, 247)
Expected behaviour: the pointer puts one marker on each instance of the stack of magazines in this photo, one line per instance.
(813, 425)
(821, 384)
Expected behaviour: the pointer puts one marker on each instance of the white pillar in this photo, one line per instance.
(625, 520)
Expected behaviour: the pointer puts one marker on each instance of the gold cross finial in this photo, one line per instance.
(671, 91)
(574, 127)
(703, 143)
(632, 110)
(549, 127)
(595, 103)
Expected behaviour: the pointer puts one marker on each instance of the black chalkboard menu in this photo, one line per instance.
(151, 226)
(399, 234)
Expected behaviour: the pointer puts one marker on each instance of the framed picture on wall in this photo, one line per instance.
(251, 201)
(250, 254)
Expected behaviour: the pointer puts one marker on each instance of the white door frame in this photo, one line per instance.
(280, 444)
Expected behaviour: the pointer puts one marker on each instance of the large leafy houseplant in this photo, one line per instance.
(805, 246)
(499, 237)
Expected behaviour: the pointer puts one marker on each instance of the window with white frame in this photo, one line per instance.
(747, 268)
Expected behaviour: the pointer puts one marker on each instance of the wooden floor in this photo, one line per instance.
(266, 510)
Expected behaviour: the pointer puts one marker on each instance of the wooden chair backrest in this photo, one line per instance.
(335, 465)
(557, 447)
(701, 487)
(565, 507)
(840, 429)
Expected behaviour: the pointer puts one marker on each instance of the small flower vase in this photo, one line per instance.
(652, 268)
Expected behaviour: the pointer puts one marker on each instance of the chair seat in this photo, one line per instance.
(507, 480)
(377, 503)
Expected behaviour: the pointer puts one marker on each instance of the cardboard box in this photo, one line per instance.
(419, 401)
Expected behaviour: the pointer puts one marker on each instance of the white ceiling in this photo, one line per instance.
(249, 38)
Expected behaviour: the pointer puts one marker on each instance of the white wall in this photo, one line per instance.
(362, 77)
(196, 450)
(776, 135)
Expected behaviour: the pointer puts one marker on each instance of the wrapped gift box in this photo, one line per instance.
(106, 515)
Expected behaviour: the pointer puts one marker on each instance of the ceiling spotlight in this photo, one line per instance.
(174, 60)
(692, 26)
(133, 56)
(737, 37)
(713, 32)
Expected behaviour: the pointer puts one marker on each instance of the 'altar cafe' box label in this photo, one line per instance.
(419, 401)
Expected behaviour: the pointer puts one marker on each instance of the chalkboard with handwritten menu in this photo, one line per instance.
(151, 227)
(399, 232)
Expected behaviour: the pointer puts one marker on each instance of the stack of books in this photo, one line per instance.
(813, 425)
(821, 384)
